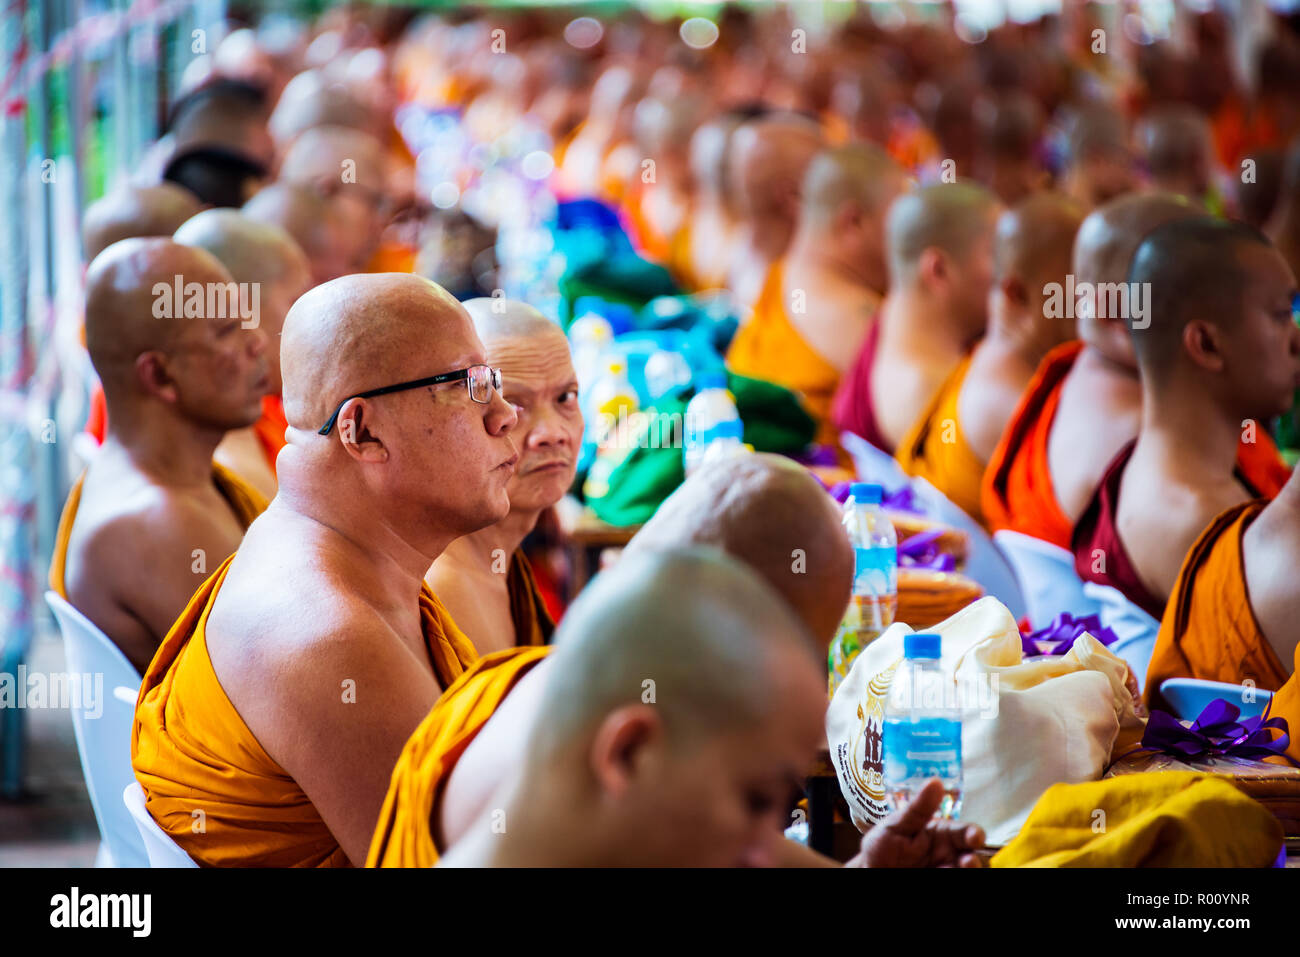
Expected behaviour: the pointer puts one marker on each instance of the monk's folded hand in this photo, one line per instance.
(913, 837)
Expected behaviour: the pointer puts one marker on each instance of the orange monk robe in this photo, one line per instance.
(269, 428)
(533, 623)
(769, 347)
(97, 417)
(192, 751)
(649, 242)
(1286, 704)
(245, 501)
(1016, 491)
(1209, 630)
(404, 837)
(1260, 464)
(936, 449)
(391, 257)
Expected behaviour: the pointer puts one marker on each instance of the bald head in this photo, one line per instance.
(253, 251)
(1036, 236)
(322, 154)
(709, 149)
(706, 630)
(950, 217)
(310, 99)
(770, 156)
(769, 513)
(496, 319)
(314, 222)
(1175, 143)
(132, 211)
(1110, 235)
(859, 175)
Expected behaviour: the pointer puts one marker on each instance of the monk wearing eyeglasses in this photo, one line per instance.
(270, 720)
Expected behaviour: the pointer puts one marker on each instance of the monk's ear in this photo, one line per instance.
(1015, 291)
(1202, 342)
(932, 266)
(623, 740)
(354, 431)
(153, 376)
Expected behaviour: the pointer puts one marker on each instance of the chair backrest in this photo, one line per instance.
(1134, 629)
(984, 562)
(871, 464)
(101, 717)
(1047, 577)
(1189, 696)
(162, 850)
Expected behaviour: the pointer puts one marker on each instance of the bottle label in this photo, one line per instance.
(875, 571)
(922, 748)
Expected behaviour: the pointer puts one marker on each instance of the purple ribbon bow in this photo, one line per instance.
(1058, 637)
(1216, 732)
(920, 551)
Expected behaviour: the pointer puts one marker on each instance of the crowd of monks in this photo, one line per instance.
(1034, 274)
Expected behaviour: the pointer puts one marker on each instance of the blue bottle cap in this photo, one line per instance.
(866, 492)
(921, 644)
(711, 380)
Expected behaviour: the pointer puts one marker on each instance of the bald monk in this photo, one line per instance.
(701, 777)
(153, 515)
(769, 157)
(1176, 147)
(130, 211)
(1218, 353)
(820, 299)
(1083, 403)
(334, 243)
(484, 578)
(701, 254)
(282, 696)
(940, 247)
(758, 508)
(658, 208)
(266, 256)
(956, 435)
(1099, 163)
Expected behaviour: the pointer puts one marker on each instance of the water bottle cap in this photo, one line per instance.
(712, 380)
(866, 493)
(921, 644)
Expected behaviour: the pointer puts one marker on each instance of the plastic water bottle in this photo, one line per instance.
(922, 727)
(590, 335)
(612, 398)
(713, 427)
(874, 600)
(665, 371)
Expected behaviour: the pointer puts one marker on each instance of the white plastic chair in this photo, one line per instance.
(871, 464)
(1047, 577)
(984, 562)
(103, 740)
(1135, 630)
(1189, 696)
(162, 850)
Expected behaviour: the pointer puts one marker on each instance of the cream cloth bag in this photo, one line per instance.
(1026, 724)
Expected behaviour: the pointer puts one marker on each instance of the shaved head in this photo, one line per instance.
(770, 156)
(951, 217)
(145, 345)
(1108, 237)
(704, 628)
(131, 211)
(315, 223)
(1175, 143)
(1035, 236)
(508, 319)
(321, 154)
(255, 253)
(709, 149)
(766, 511)
(310, 99)
(858, 174)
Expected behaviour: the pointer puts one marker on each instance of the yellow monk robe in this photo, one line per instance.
(404, 837)
(1209, 630)
(533, 623)
(245, 501)
(1016, 491)
(936, 450)
(1286, 704)
(192, 751)
(769, 347)
(1168, 819)
(269, 428)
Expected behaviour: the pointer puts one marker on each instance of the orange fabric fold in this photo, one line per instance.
(269, 428)
(936, 450)
(404, 837)
(533, 623)
(1260, 464)
(199, 764)
(769, 347)
(1016, 492)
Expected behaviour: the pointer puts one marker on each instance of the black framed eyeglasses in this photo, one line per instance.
(479, 380)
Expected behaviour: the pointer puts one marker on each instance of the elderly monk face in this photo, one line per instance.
(724, 801)
(539, 381)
